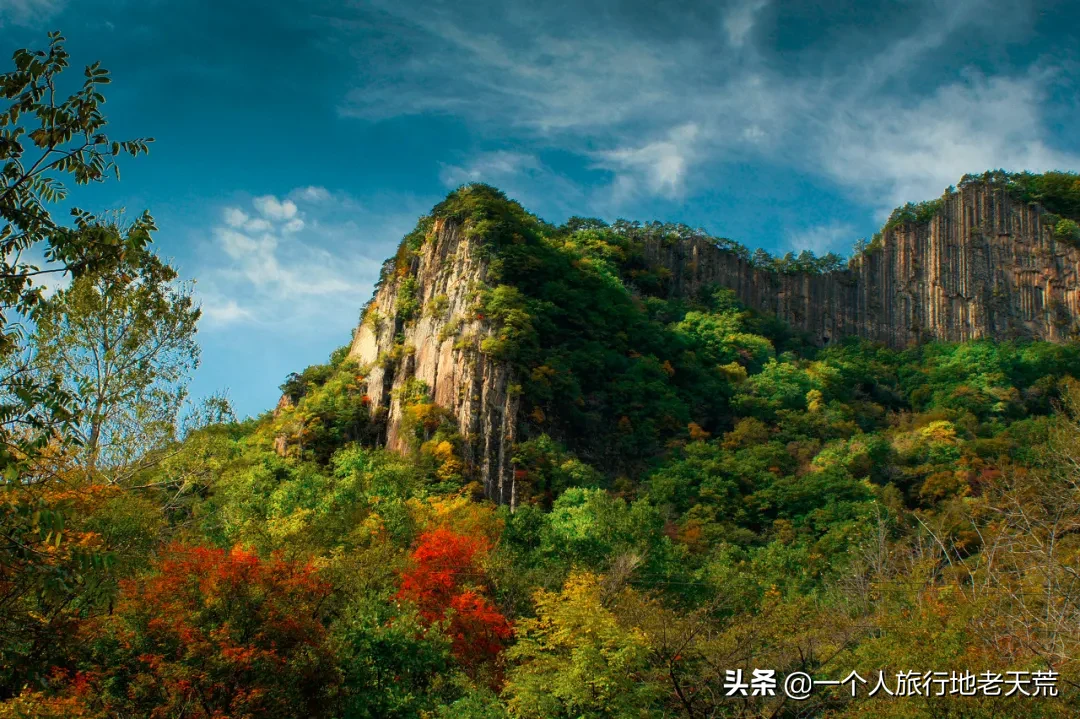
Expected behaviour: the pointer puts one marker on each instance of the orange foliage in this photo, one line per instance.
(697, 434)
(213, 634)
(40, 705)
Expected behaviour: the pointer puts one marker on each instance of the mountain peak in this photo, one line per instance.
(483, 309)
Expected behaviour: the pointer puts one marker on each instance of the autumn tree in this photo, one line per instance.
(445, 581)
(214, 633)
(53, 566)
(45, 138)
(122, 339)
(1028, 528)
(576, 660)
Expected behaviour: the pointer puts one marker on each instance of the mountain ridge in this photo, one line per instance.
(461, 299)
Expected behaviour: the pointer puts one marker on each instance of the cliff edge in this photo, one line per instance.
(985, 265)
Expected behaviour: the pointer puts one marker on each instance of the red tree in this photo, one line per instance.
(445, 580)
(215, 634)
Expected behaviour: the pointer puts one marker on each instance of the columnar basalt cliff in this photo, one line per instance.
(441, 348)
(985, 266)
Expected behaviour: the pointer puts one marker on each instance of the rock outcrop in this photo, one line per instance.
(986, 266)
(440, 347)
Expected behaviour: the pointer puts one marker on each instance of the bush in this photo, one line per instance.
(1067, 231)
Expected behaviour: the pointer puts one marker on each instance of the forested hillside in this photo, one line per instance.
(703, 491)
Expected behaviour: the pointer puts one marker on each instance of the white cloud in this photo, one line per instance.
(312, 194)
(312, 262)
(523, 177)
(911, 151)
(488, 167)
(235, 217)
(657, 111)
(662, 164)
(28, 12)
(289, 268)
(273, 209)
(217, 311)
(835, 237)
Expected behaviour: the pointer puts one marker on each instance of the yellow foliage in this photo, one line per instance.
(733, 372)
(38, 705)
(292, 525)
(445, 453)
(939, 431)
(429, 415)
(747, 432)
(458, 513)
(576, 659)
(543, 373)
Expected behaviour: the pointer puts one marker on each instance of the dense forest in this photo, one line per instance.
(709, 496)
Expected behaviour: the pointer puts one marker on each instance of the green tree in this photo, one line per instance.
(124, 341)
(1068, 231)
(42, 138)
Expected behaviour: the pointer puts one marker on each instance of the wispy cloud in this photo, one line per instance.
(524, 177)
(740, 19)
(913, 150)
(663, 111)
(223, 310)
(489, 167)
(28, 12)
(659, 167)
(284, 261)
(313, 194)
(835, 237)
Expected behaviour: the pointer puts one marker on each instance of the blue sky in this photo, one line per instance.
(298, 141)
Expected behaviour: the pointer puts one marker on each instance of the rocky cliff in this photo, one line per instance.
(440, 346)
(985, 266)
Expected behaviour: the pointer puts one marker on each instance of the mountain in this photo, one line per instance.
(484, 305)
(626, 464)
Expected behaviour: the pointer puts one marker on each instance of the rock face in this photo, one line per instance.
(440, 348)
(986, 266)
